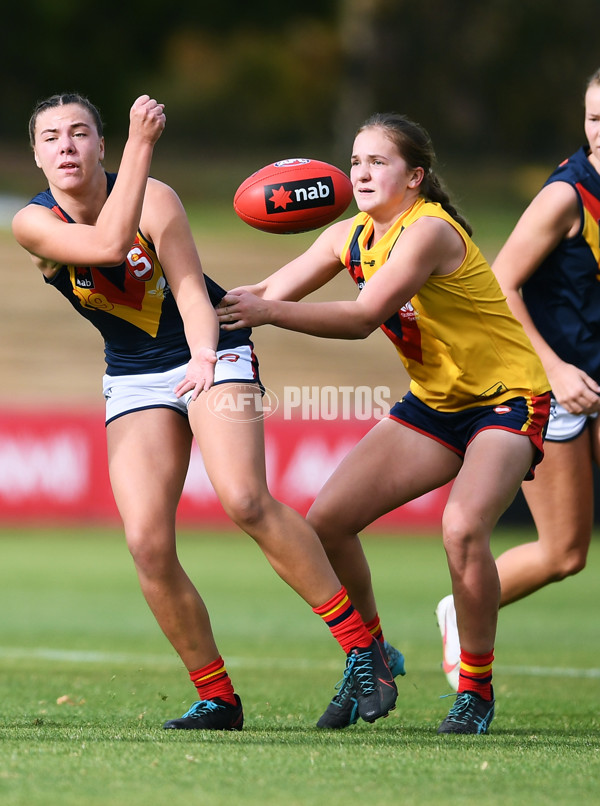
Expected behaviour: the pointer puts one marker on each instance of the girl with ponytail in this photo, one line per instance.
(478, 400)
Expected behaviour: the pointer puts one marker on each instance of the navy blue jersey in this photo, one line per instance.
(563, 294)
(132, 305)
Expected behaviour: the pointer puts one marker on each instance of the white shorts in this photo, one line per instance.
(126, 393)
(564, 426)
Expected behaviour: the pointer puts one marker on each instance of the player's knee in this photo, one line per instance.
(151, 554)
(316, 519)
(461, 531)
(246, 508)
(570, 564)
(320, 521)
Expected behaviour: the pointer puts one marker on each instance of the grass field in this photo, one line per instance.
(86, 680)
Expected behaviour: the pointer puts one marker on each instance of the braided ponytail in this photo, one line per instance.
(433, 190)
(415, 147)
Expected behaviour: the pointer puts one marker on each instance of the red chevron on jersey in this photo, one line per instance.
(590, 202)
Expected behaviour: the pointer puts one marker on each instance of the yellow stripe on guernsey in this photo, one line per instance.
(139, 300)
(456, 337)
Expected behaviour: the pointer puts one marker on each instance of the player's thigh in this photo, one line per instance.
(561, 497)
(495, 464)
(594, 431)
(391, 465)
(231, 440)
(148, 458)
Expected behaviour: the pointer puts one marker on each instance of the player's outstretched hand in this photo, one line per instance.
(241, 309)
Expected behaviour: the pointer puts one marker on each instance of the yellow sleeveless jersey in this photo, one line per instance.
(457, 338)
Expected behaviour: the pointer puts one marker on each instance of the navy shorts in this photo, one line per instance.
(456, 429)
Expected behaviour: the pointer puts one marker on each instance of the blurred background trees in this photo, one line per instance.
(500, 78)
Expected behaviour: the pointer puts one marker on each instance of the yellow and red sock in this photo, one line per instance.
(374, 627)
(344, 621)
(476, 673)
(213, 681)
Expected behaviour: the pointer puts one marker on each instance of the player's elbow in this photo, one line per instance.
(365, 318)
(114, 254)
(363, 326)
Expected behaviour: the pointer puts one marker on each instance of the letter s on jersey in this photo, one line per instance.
(140, 264)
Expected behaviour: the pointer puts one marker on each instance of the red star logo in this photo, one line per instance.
(281, 197)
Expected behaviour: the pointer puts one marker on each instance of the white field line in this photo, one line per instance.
(548, 671)
(141, 659)
(261, 662)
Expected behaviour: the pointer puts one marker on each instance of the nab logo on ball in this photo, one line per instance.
(301, 195)
(293, 195)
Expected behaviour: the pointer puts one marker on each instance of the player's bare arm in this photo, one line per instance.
(310, 271)
(552, 216)
(104, 228)
(421, 251)
(165, 222)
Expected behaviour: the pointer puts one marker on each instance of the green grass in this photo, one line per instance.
(75, 626)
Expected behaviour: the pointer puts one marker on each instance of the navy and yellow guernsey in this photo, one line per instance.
(457, 338)
(132, 306)
(563, 294)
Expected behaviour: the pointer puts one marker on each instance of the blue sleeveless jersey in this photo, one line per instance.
(132, 306)
(563, 295)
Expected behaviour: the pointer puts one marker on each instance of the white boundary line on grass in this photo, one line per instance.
(141, 659)
(83, 656)
(547, 671)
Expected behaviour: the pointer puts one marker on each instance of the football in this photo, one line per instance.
(293, 195)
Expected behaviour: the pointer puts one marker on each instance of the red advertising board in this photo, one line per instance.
(53, 470)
